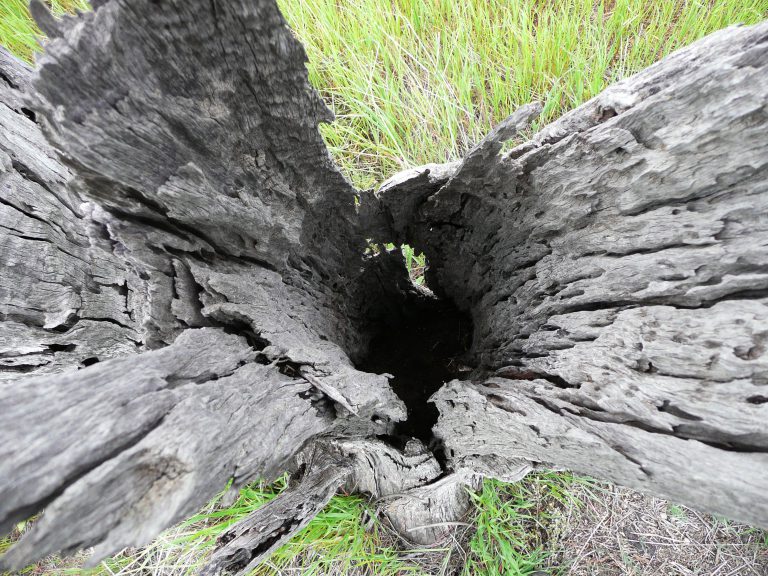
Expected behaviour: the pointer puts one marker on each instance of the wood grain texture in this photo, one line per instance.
(169, 429)
(616, 270)
(409, 484)
(64, 299)
(168, 220)
(184, 290)
(246, 543)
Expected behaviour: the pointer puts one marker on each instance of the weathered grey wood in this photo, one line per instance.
(173, 214)
(243, 545)
(63, 299)
(410, 485)
(120, 462)
(183, 226)
(417, 496)
(616, 268)
(429, 513)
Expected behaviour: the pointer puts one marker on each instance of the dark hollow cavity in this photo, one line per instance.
(422, 346)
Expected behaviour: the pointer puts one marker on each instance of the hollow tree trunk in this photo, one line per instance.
(186, 298)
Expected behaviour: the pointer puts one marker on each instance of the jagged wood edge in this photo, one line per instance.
(417, 496)
(211, 279)
(615, 268)
(170, 431)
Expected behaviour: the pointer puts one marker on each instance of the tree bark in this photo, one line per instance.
(187, 300)
(617, 273)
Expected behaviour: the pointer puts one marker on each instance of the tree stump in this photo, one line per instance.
(187, 300)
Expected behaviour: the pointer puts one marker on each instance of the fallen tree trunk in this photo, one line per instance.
(617, 273)
(186, 297)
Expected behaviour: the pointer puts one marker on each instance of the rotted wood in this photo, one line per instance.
(157, 291)
(409, 485)
(64, 301)
(616, 267)
(185, 294)
(242, 546)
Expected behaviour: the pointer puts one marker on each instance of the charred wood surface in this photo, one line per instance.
(186, 298)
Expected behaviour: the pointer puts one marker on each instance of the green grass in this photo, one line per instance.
(343, 536)
(512, 532)
(676, 511)
(412, 82)
(415, 81)
(19, 34)
(513, 524)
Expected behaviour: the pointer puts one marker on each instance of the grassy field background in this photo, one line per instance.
(417, 81)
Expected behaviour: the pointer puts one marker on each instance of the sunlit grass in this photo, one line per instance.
(415, 81)
(514, 523)
(19, 33)
(412, 82)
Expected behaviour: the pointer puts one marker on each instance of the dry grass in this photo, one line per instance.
(550, 524)
(419, 81)
(623, 532)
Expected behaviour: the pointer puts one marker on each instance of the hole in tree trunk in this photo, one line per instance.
(424, 345)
